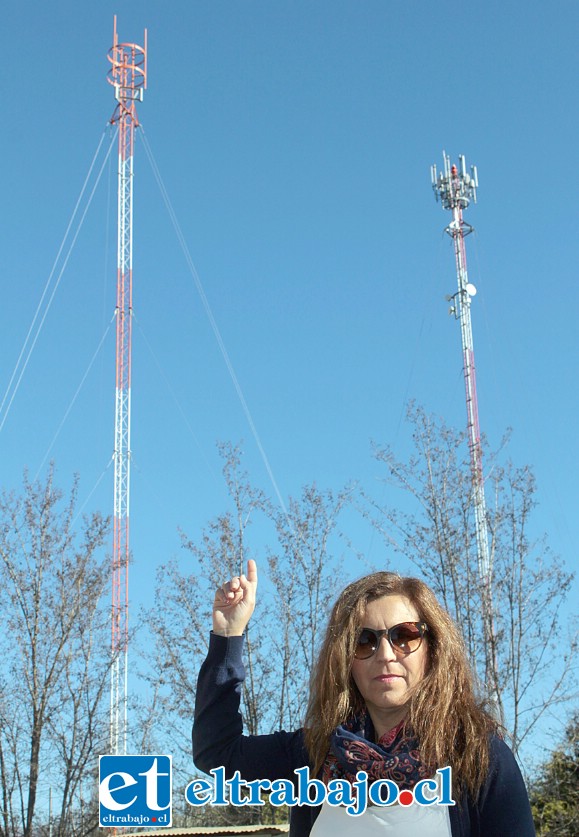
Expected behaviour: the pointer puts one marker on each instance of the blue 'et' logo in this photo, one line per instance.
(135, 791)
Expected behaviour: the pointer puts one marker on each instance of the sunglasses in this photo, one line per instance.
(404, 638)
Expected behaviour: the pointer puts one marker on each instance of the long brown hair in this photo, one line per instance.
(450, 723)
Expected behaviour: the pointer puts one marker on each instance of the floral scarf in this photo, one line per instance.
(396, 755)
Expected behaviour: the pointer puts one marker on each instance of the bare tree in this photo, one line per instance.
(78, 734)
(295, 584)
(304, 569)
(432, 524)
(530, 587)
(181, 618)
(51, 583)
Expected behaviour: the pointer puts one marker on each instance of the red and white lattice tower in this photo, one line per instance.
(128, 75)
(455, 187)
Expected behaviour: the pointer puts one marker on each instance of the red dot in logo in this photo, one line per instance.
(153, 819)
(406, 797)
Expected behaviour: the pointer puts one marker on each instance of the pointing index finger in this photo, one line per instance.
(252, 571)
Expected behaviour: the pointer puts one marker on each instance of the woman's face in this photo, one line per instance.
(385, 679)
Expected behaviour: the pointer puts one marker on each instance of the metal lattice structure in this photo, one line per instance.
(128, 75)
(455, 188)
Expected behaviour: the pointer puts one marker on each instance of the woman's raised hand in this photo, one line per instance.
(234, 603)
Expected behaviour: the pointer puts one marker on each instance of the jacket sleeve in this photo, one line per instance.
(218, 739)
(503, 805)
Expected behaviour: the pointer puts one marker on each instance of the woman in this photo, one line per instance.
(392, 695)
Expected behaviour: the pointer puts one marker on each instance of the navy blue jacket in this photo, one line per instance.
(501, 809)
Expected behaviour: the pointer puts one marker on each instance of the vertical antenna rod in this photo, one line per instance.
(128, 75)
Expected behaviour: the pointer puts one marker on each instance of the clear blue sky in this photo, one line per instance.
(295, 140)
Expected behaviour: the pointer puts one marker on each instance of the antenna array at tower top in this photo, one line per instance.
(455, 187)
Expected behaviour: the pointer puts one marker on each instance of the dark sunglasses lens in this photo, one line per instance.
(406, 637)
(367, 644)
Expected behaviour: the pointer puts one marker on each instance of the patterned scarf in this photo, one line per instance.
(396, 755)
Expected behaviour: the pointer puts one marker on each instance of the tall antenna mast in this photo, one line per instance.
(128, 75)
(455, 188)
